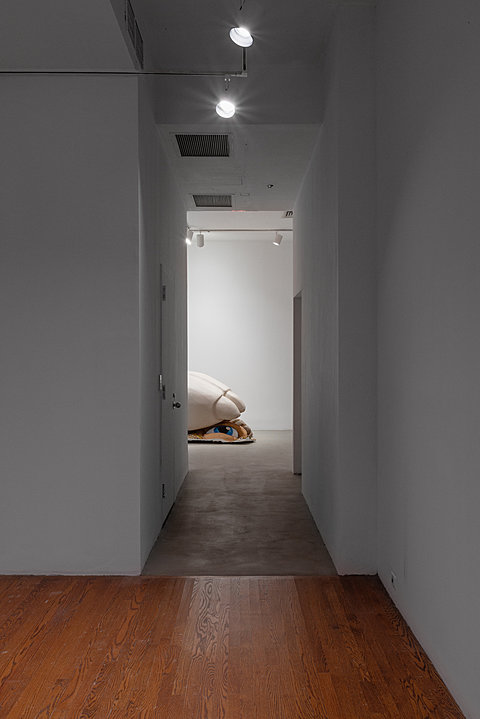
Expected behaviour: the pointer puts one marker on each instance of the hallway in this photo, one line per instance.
(241, 512)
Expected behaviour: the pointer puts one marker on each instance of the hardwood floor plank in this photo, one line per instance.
(13, 589)
(27, 646)
(203, 662)
(386, 626)
(112, 670)
(79, 678)
(211, 648)
(20, 617)
(304, 655)
(155, 680)
(65, 644)
(128, 696)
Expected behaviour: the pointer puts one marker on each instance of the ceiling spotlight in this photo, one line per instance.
(225, 108)
(200, 240)
(278, 239)
(241, 36)
(188, 238)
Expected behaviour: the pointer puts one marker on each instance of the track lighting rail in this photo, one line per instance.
(126, 73)
(239, 230)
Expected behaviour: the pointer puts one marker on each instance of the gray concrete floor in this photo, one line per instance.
(240, 512)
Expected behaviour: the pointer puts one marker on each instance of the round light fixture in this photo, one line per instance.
(241, 36)
(225, 108)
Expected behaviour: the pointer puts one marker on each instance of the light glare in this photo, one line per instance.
(225, 108)
(241, 36)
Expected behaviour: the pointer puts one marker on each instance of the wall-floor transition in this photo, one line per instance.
(391, 317)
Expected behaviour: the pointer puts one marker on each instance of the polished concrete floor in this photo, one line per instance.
(240, 512)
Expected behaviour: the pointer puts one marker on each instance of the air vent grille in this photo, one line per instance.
(203, 145)
(212, 200)
(134, 32)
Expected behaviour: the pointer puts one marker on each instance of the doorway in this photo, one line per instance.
(240, 510)
(240, 321)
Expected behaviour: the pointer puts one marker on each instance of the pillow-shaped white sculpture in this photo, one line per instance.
(210, 401)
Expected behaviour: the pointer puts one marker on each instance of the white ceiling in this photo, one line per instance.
(261, 155)
(242, 226)
(279, 103)
(228, 220)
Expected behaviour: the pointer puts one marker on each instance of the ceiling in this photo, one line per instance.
(260, 155)
(241, 226)
(283, 64)
(279, 102)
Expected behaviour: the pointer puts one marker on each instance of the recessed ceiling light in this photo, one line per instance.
(241, 36)
(269, 187)
(225, 108)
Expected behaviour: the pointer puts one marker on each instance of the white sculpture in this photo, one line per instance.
(210, 401)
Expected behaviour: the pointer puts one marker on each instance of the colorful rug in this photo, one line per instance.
(226, 432)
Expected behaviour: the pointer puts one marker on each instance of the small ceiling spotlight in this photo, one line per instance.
(269, 187)
(225, 108)
(241, 36)
(278, 239)
(200, 239)
(188, 238)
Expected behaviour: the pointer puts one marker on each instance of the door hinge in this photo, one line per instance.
(164, 292)
(161, 386)
(163, 491)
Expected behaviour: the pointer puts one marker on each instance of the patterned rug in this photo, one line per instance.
(226, 432)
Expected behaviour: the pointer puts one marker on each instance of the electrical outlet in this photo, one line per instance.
(393, 580)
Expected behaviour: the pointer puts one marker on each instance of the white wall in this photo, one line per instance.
(89, 211)
(69, 322)
(429, 318)
(70, 35)
(335, 271)
(163, 329)
(240, 323)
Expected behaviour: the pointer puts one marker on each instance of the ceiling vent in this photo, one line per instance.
(134, 32)
(288, 213)
(212, 200)
(203, 145)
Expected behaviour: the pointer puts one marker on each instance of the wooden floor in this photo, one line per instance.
(210, 648)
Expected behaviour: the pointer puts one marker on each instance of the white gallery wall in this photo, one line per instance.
(398, 320)
(88, 214)
(163, 329)
(70, 335)
(428, 328)
(334, 261)
(240, 323)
